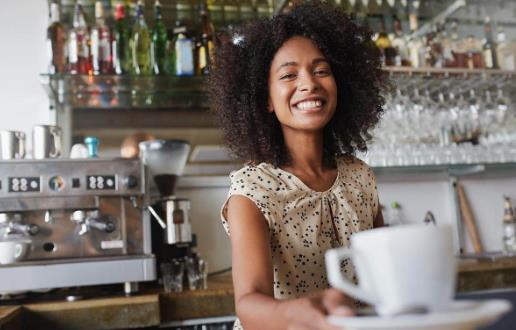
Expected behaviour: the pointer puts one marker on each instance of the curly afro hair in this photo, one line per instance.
(238, 82)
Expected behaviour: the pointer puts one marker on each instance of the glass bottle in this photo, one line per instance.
(183, 50)
(489, 47)
(505, 51)
(399, 43)
(78, 43)
(56, 40)
(141, 44)
(457, 47)
(384, 44)
(416, 45)
(473, 49)
(183, 46)
(205, 43)
(101, 57)
(121, 36)
(509, 227)
(159, 42)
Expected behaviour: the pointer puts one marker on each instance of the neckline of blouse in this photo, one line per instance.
(313, 191)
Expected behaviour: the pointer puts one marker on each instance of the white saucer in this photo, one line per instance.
(462, 315)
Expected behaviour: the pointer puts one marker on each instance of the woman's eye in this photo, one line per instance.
(287, 76)
(322, 72)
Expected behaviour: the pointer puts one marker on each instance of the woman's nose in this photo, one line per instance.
(307, 83)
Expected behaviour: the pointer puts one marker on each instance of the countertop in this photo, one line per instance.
(152, 307)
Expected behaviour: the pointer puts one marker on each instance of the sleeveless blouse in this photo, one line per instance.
(303, 223)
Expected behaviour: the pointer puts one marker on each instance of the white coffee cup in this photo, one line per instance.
(399, 268)
(12, 251)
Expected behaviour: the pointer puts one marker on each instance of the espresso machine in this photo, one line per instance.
(73, 222)
(171, 229)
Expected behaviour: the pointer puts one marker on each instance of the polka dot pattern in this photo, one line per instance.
(304, 223)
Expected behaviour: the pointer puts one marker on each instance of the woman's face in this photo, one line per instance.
(302, 89)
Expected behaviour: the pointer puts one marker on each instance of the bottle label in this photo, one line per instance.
(184, 57)
(488, 59)
(73, 53)
(202, 58)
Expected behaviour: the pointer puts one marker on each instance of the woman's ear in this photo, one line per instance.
(270, 108)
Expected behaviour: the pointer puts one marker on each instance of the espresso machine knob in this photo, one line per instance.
(33, 229)
(131, 181)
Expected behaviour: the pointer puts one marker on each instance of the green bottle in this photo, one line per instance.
(141, 44)
(121, 47)
(159, 43)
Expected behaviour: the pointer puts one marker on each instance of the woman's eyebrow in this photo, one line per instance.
(319, 60)
(286, 64)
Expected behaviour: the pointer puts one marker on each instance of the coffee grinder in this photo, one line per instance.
(164, 161)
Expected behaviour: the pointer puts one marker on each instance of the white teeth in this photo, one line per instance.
(309, 104)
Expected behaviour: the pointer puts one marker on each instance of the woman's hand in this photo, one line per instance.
(309, 313)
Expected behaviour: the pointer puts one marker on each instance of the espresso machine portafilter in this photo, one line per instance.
(164, 161)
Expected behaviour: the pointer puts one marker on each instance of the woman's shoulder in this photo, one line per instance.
(351, 162)
(262, 174)
(353, 168)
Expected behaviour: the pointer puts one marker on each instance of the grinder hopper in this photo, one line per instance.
(165, 160)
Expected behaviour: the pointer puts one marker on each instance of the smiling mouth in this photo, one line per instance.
(309, 105)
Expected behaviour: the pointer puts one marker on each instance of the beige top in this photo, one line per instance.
(304, 223)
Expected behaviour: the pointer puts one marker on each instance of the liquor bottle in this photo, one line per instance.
(416, 45)
(205, 42)
(473, 49)
(101, 43)
(382, 41)
(121, 47)
(56, 40)
(509, 227)
(457, 47)
(184, 56)
(159, 42)
(399, 43)
(489, 47)
(434, 54)
(141, 44)
(183, 49)
(505, 51)
(446, 44)
(78, 43)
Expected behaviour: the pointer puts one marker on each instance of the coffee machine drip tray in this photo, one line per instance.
(34, 275)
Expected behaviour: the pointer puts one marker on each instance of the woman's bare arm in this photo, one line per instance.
(253, 278)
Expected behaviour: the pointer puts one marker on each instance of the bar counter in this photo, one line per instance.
(152, 307)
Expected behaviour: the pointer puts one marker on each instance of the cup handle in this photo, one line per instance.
(333, 259)
(18, 251)
(21, 144)
(56, 135)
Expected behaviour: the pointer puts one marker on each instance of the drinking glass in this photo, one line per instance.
(197, 273)
(172, 275)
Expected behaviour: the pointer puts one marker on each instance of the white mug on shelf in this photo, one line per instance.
(46, 141)
(399, 268)
(12, 145)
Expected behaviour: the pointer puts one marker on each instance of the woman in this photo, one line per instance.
(296, 96)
